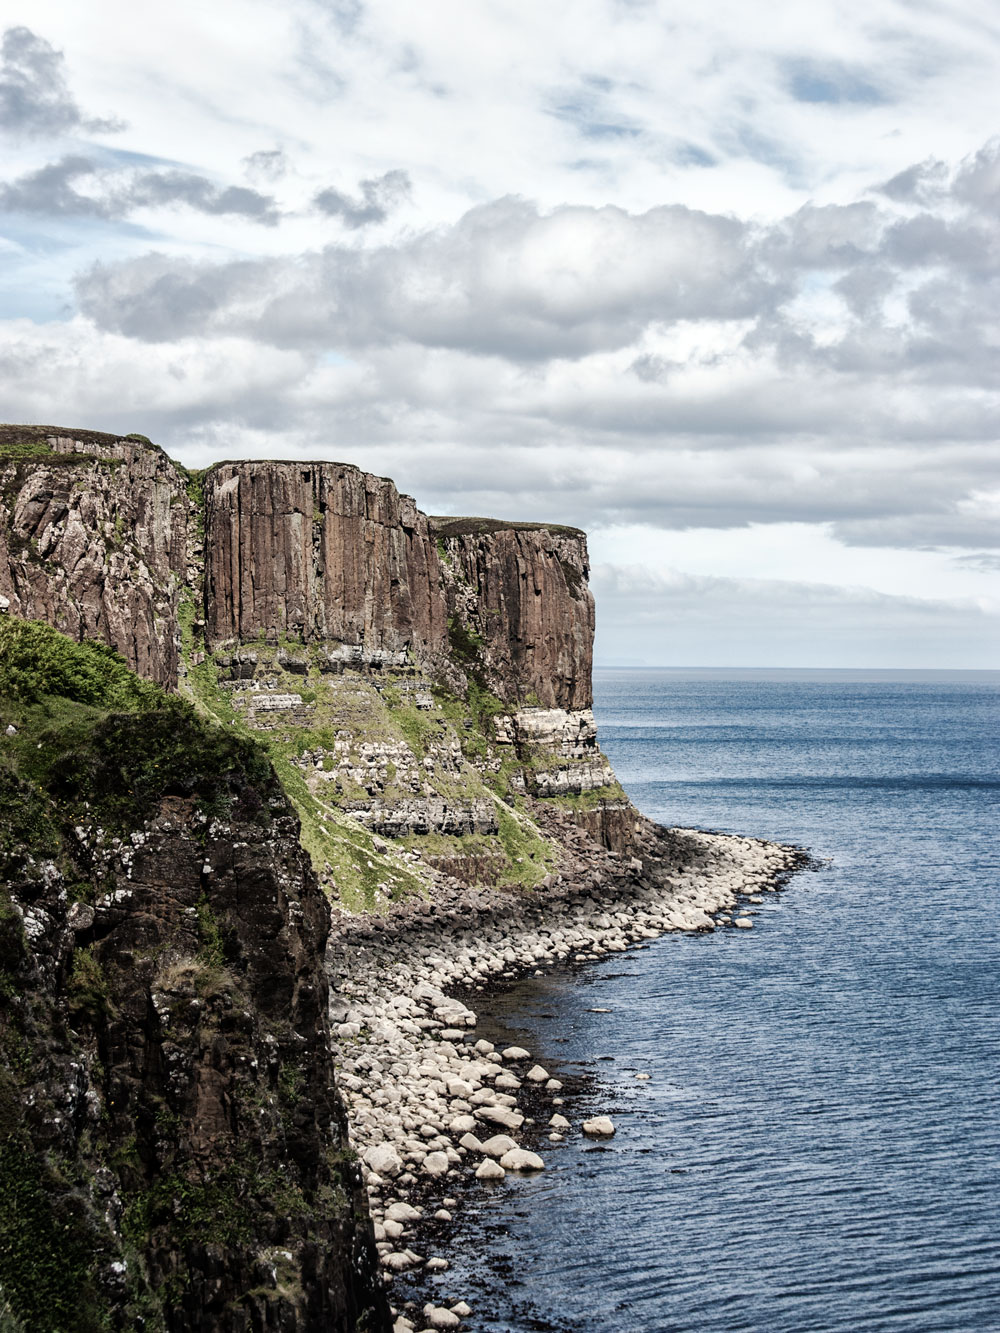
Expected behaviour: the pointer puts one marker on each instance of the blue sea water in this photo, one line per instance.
(818, 1147)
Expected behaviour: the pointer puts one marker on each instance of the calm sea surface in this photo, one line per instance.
(818, 1147)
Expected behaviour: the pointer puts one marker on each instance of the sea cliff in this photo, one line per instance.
(324, 701)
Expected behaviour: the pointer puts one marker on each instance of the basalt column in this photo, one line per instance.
(320, 552)
(522, 612)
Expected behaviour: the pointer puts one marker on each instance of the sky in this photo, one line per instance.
(717, 283)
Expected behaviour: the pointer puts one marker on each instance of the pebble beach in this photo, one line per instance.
(434, 1110)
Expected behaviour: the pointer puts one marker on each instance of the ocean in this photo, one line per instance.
(817, 1148)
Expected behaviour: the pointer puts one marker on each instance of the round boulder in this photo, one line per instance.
(598, 1128)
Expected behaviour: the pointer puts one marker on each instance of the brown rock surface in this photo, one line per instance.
(326, 552)
(320, 551)
(520, 593)
(92, 540)
(93, 533)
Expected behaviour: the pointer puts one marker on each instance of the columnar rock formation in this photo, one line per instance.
(520, 593)
(94, 532)
(326, 553)
(320, 552)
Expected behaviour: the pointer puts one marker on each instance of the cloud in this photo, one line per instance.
(378, 197)
(977, 181)
(113, 194)
(671, 367)
(985, 562)
(267, 164)
(50, 190)
(504, 280)
(35, 99)
(922, 183)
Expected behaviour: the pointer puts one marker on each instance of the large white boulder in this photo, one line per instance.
(520, 1159)
(598, 1128)
(383, 1159)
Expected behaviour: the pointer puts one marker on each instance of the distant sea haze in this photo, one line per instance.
(817, 1149)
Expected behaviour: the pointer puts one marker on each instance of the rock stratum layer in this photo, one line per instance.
(409, 702)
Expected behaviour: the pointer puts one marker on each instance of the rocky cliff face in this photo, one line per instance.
(422, 690)
(521, 610)
(95, 533)
(321, 553)
(325, 553)
(173, 1153)
(92, 540)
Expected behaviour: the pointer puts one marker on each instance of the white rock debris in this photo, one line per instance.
(431, 1106)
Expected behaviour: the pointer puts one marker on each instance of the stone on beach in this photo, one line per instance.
(559, 1122)
(501, 1115)
(398, 1262)
(744, 923)
(438, 1316)
(489, 1170)
(383, 1159)
(598, 1128)
(435, 1164)
(498, 1145)
(537, 1074)
(516, 1053)
(520, 1159)
(462, 1124)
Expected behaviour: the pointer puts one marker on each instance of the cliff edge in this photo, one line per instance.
(353, 703)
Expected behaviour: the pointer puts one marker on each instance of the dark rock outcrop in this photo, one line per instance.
(173, 1151)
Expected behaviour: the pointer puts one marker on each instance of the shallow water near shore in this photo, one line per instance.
(818, 1145)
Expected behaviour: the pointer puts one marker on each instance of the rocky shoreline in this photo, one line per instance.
(433, 1110)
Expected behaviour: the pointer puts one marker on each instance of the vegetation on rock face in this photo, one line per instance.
(115, 800)
(37, 661)
(103, 743)
(25, 449)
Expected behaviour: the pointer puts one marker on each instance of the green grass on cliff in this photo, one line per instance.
(82, 737)
(342, 851)
(85, 745)
(362, 710)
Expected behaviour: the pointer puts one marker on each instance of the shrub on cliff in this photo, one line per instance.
(37, 661)
(91, 735)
